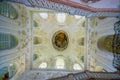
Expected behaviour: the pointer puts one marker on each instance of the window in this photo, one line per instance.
(61, 17)
(77, 16)
(60, 63)
(43, 65)
(7, 41)
(8, 10)
(44, 15)
(77, 67)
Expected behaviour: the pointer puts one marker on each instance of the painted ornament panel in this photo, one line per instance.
(60, 40)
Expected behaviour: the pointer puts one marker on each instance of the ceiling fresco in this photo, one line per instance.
(60, 40)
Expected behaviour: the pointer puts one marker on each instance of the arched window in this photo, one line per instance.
(8, 10)
(44, 15)
(76, 66)
(7, 41)
(43, 65)
(61, 17)
(60, 63)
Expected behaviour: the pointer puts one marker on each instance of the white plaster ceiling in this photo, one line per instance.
(46, 29)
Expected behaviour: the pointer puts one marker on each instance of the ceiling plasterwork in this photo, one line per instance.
(54, 41)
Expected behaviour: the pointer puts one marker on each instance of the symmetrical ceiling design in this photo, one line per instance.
(77, 7)
(54, 40)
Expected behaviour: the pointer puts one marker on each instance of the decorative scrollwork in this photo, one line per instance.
(116, 46)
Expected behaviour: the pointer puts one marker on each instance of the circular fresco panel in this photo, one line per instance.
(60, 40)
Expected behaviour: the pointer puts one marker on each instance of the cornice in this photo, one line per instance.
(83, 11)
(85, 7)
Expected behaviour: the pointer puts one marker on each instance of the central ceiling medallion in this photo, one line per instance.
(60, 40)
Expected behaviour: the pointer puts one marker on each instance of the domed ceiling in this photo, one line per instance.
(58, 38)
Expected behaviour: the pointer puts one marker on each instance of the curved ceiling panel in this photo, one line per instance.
(7, 41)
(8, 10)
(106, 43)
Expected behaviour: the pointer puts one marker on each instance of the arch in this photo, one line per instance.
(60, 63)
(61, 17)
(105, 43)
(7, 41)
(43, 65)
(76, 66)
(8, 10)
(44, 15)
